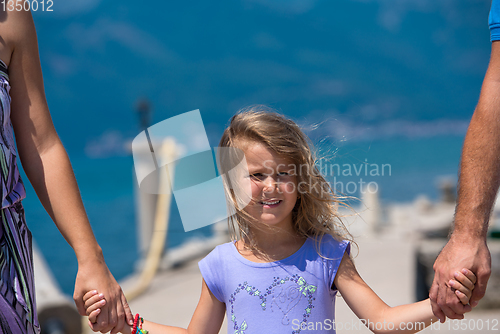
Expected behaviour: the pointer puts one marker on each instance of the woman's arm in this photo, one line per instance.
(207, 318)
(377, 315)
(47, 166)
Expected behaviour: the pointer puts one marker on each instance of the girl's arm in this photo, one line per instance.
(47, 166)
(380, 317)
(207, 318)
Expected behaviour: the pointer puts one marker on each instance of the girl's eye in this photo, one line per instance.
(283, 174)
(256, 176)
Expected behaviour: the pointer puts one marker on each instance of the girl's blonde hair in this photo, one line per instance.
(316, 211)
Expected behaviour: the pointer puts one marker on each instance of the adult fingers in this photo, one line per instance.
(111, 320)
(445, 300)
(78, 298)
(91, 325)
(480, 287)
(128, 312)
(120, 318)
(101, 324)
(435, 307)
(456, 305)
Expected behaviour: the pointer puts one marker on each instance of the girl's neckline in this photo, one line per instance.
(246, 261)
(3, 64)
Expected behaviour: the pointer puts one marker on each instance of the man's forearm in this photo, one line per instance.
(480, 164)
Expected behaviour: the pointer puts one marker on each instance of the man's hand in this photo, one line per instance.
(116, 313)
(461, 251)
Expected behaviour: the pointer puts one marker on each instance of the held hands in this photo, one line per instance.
(115, 314)
(459, 252)
(463, 284)
(94, 302)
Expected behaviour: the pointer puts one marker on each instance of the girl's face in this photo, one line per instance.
(273, 184)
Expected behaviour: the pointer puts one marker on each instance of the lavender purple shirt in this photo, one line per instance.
(285, 296)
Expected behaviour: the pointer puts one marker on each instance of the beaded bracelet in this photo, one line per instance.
(134, 328)
(138, 330)
(142, 331)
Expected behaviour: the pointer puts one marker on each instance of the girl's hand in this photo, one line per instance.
(93, 301)
(463, 284)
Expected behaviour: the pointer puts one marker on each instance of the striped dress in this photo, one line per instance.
(17, 289)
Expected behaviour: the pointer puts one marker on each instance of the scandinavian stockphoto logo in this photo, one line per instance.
(174, 156)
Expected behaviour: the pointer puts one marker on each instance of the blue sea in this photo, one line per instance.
(373, 82)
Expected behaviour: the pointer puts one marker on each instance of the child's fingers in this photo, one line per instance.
(93, 315)
(462, 289)
(95, 306)
(92, 300)
(464, 299)
(89, 294)
(464, 280)
(470, 275)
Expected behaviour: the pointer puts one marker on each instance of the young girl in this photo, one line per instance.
(291, 253)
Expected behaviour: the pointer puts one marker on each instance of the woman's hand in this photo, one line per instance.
(116, 313)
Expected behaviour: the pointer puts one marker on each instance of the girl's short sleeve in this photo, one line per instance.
(211, 268)
(334, 251)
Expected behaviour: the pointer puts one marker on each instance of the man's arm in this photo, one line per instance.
(479, 180)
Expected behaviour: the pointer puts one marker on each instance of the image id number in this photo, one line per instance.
(26, 5)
